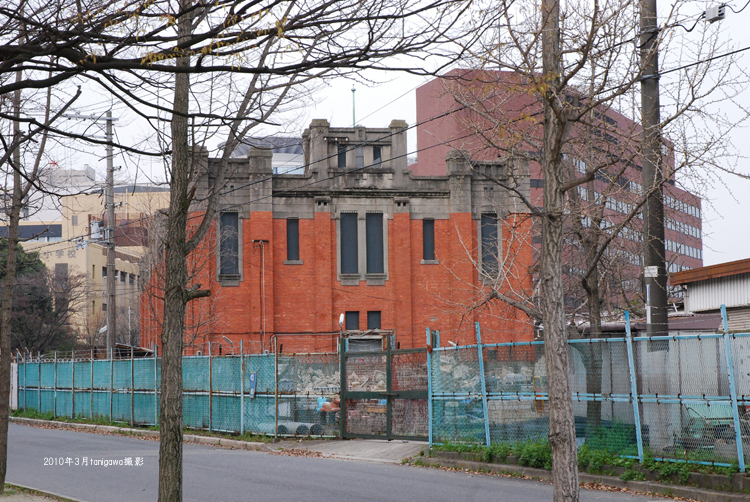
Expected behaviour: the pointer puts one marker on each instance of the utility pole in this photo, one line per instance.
(655, 274)
(109, 232)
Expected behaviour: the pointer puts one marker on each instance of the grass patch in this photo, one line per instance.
(249, 437)
(29, 413)
(593, 458)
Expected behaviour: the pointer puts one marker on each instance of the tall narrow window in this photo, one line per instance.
(349, 247)
(360, 157)
(352, 321)
(230, 244)
(377, 156)
(342, 156)
(373, 319)
(428, 240)
(292, 239)
(374, 234)
(489, 244)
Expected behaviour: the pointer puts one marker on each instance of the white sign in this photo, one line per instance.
(652, 271)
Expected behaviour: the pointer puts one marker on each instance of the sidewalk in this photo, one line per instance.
(372, 450)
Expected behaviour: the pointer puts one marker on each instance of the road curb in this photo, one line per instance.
(45, 492)
(126, 431)
(636, 486)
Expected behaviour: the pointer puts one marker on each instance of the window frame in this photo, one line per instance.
(432, 258)
(372, 317)
(341, 151)
(349, 244)
(293, 230)
(375, 252)
(489, 274)
(225, 277)
(350, 315)
(346, 275)
(377, 160)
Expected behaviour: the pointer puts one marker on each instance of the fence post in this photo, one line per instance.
(484, 387)
(733, 391)
(156, 384)
(276, 385)
(210, 389)
(342, 387)
(54, 402)
(242, 389)
(111, 381)
(91, 363)
(132, 388)
(73, 384)
(25, 381)
(39, 382)
(429, 388)
(633, 387)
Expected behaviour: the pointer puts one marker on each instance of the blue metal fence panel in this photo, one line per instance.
(47, 374)
(121, 374)
(143, 374)
(102, 377)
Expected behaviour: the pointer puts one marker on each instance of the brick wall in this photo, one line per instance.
(302, 302)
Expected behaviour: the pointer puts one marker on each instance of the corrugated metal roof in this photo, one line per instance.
(738, 320)
(710, 272)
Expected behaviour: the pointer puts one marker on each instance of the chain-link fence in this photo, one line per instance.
(682, 397)
(242, 394)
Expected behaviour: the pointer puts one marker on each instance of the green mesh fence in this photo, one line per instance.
(678, 399)
(232, 393)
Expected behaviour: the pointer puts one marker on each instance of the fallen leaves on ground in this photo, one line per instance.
(295, 452)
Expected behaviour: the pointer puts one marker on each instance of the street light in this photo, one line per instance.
(230, 343)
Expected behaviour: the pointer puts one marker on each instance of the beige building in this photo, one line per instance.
(74, 247)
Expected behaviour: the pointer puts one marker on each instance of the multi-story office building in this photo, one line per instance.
(490, 113)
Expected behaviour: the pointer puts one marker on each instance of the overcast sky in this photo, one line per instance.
(726, 208)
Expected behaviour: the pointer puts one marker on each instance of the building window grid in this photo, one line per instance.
(684, 249)
(681, 206)
(683, 228)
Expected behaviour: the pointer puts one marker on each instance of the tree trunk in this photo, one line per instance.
(5, 310)
(561, 421)
(175, 293)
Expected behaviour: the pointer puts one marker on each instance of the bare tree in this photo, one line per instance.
(542, 90)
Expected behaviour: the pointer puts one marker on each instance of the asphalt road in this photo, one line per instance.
(217, 474)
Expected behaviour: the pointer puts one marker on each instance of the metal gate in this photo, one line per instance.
(384, 394)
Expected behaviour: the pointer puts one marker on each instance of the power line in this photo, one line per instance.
(707, 60)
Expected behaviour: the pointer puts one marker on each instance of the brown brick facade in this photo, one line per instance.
(300, 300)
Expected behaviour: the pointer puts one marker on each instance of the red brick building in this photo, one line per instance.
(357, 234)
